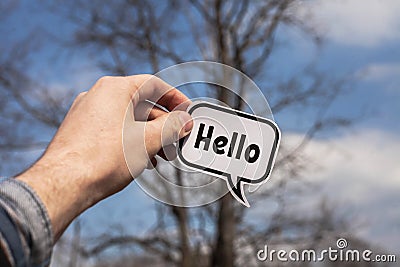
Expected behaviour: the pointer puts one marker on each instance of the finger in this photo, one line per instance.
(78, 98)
(168, 152)
(151, 164)
(81, 94)
(138, 88)
(146, 111)
(165, 130)
(174, 100)
(160, 92)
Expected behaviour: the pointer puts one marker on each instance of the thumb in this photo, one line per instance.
(166, 130)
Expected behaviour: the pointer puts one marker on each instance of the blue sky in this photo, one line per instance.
(359, 169)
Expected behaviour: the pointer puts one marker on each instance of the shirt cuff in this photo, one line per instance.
(25, 206)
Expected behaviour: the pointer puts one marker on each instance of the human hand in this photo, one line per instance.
(85, 161)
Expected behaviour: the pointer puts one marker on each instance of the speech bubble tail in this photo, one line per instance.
(236, 189)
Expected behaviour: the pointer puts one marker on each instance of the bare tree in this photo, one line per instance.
(130, 36)
(241, 34)
(26, 105)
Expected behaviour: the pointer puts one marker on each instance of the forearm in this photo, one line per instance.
(85, 161)
(63, 190)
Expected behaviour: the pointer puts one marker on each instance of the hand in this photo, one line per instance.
(85, 161)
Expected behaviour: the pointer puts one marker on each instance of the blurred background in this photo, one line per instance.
(329, 69)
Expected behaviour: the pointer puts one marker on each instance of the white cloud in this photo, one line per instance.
(380, 72)
(355, 22)
(383, 75)
(361, 173)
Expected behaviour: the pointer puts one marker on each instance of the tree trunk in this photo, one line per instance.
(222, 255)
(182, 221)
(181, 217)
(223, 251)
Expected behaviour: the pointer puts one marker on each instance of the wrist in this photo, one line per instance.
(63, 191)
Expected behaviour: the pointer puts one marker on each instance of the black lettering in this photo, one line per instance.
(205, 139)
(240, 147)
(219, 142)
(249, 149)
(232, 145)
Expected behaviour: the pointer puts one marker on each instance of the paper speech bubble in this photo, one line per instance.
(233, 145)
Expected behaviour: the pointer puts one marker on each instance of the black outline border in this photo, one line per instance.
(244, 115)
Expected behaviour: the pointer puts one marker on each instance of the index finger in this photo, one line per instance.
(154, 89)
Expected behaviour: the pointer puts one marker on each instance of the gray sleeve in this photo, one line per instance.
(26, 237)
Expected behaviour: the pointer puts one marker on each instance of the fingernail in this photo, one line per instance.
(186, 120)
